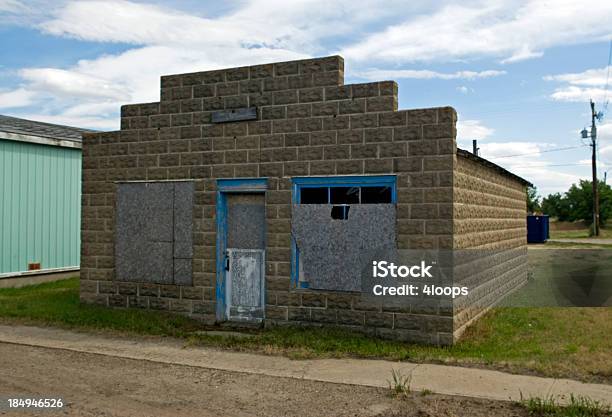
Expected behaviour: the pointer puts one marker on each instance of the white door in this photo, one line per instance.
(244, 288)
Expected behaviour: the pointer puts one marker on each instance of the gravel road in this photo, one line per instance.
(97, 385)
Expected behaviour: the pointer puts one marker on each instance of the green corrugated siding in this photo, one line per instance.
(40, 206)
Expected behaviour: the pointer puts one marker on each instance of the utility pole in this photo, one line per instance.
(475, 147)
(594, 167)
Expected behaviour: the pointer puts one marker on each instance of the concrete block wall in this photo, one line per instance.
(309, 123)
(489, 219)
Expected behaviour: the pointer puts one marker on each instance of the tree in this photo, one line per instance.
(533, 200)
(555, 206)
(580, 199)
(577, 203)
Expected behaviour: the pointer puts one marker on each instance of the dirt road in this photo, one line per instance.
(96, 385)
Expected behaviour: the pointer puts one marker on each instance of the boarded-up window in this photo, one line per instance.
(333, 252)
(153, 233)
(337, 223)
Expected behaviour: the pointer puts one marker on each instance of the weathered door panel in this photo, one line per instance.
(245, 257)
(245, 278)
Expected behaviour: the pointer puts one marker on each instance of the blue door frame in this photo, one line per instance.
(225, 187)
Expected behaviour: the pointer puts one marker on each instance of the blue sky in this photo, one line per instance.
(519, 73)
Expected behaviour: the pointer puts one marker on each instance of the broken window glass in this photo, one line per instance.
(375, 195)
(344, 195)
(316, 195)
(340, 212)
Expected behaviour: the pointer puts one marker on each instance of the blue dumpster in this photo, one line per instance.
(537, 228)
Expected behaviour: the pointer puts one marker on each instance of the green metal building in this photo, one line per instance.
(40, 192)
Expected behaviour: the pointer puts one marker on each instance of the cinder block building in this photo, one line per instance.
(221, 200)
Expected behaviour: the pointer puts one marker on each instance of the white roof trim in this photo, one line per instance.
(41, 140)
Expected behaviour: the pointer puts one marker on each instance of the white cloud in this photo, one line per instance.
(580, 86)
(472, 129)
(527, 161)
(379, 74)
(259, 24)
(600, 164)
(19, 97)
(523, 158)
(73, 83)
(604, 132)
(92, 122)
(16, 12)
(11, 6)
(463, 89)
(574, 93)
(174, 42)
(123, 21)
(168, 41)
(521, 55)
(498, 29)
(590, 77)
(549, 180)
(93, 88)
(605, 152)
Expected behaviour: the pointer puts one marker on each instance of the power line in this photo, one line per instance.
(539, 152)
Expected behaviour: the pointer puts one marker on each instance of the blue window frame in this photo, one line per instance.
(341, 191)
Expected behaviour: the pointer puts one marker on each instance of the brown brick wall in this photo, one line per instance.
(490, 218)
(309, 123)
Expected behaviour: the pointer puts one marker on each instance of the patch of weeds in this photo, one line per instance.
(578, 406)
(426, 392)
(571, 348)
(399, 383)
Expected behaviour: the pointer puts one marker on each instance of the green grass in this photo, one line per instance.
(559, 232)
(564, 342)
(578, 407)
(561, 342)
(577, 234)
(57, 303)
